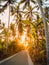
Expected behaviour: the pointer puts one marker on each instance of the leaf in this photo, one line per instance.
(27, 22)
(35, 7)
(3, 7)
(41, 52)
(17, 7)
(33, 1)
(0, 46)
(22, 1)
(24, 5)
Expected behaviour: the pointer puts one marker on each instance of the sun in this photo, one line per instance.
(23, 39)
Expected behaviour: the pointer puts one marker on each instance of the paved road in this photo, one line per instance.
(20, 58)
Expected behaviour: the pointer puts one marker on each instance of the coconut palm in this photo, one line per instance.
(13, 30)
(18, 15)
(8, 2)
(46, 32)
(27, 3)
(29, 8)
(30, 13)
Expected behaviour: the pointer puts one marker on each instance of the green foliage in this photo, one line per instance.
(1, 47)
(13, 29)
(27, 22)
(5, 32)
(12, 47)
(41, 52)
(0, 21)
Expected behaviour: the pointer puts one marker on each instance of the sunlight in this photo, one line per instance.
(2, 40)
(26, 44)
(11, 38)
(23, 37)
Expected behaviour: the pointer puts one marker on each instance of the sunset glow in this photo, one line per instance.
(23, 37)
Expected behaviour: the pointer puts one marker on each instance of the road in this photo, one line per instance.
(20, 58)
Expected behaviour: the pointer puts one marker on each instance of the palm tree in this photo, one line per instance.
(8, 2)
(29, 14)
(27, 3)
(29, 8)
(16, 11)
(46, 32)
(6, 35)
(13, 30)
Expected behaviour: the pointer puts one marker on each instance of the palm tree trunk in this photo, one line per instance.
(46, 31)
(9, 16)
(7, 38)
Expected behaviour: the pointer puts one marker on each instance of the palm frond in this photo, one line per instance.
(40, 21)
(10, 1)
(35, 7)
(3, 7)
(41, 2)
(33, 1)
(22, 1)
(25, 14)
(27, 22)
(24, 5)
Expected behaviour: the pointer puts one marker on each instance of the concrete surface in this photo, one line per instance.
(21, 58)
